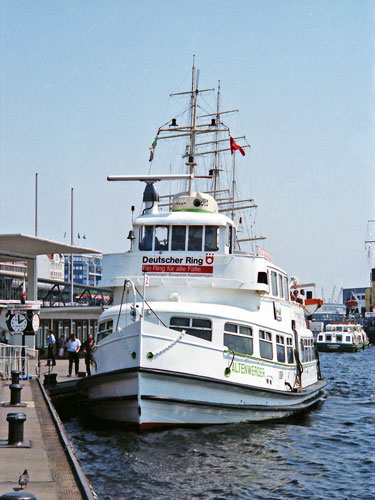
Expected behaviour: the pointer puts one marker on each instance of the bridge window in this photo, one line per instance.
(161, 237)
(195, 238)
(240, 338)
(286, 291)
(145, 237)
(274, 283)
(197, 327)
(178, 237)
(262, 277)
(281, 293)
(211, 241)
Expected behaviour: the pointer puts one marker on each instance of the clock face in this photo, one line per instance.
(35, 322)
(18, 323)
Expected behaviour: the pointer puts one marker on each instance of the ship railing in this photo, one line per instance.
(16, 357)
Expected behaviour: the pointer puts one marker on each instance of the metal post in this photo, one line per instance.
(71, 242)
(15, 429)
(15, 394)
(15, 376)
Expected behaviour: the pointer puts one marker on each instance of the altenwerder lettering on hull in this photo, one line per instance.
(256, 371)
(153, 268)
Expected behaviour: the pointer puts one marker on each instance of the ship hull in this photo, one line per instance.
(150, 399)
(335, 347)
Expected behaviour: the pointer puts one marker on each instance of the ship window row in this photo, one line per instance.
(179, 238)
(329, 338)
(279, 285)
(240, 339)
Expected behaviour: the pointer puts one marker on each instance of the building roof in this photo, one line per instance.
(22, 247)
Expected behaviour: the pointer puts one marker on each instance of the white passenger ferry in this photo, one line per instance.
(342, 337)
(201, 332)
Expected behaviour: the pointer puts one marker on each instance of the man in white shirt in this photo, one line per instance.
(74, 346)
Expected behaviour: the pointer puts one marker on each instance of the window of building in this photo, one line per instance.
(197, 327)
(195, 238)
(265, 345)
(211, 241)
(161, 237)
(178, 238)
(240, 338)
(280, 348)
(274, 283)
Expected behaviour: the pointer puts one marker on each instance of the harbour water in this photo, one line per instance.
(328, 453)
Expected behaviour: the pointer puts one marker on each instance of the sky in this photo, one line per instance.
(85, 85)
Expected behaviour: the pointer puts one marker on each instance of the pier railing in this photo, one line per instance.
(15, 357)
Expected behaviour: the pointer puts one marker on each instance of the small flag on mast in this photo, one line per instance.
(152, 149)
(234, 145)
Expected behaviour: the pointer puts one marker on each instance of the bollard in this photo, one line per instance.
(15, 429)
(50, 379)
(16, 376)
(15, 394)
(20, 495)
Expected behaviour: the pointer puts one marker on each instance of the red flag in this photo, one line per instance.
(234, 145)
(23, 296)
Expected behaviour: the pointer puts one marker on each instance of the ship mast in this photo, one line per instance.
(216, 170)
(193, 123)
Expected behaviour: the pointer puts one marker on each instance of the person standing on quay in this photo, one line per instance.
(87, 349)
(51, 348)
(74, 346)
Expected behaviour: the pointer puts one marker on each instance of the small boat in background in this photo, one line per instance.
(342, 337)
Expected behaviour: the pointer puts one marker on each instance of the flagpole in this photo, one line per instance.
(233, 184)
(36, 204)
(71, 242)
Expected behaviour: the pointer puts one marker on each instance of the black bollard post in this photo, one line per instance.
(20, 495)
(50, 379)
(15, 394)
(15, 429)
(16, 376)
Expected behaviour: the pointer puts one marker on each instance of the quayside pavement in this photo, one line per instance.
(53, 468)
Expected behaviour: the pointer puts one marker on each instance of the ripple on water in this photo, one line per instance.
(326, 454)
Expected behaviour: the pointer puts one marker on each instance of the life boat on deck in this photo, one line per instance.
(312, 305)
(351, 304)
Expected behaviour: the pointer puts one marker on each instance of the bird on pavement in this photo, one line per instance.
(23, 479)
